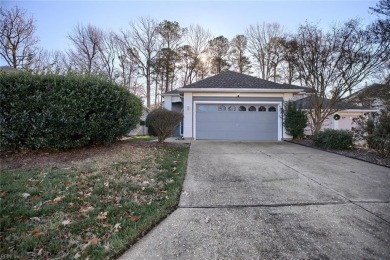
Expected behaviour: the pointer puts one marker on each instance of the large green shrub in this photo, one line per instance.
(333, 139)
(163, 122)
(61, 112)
(295, 120)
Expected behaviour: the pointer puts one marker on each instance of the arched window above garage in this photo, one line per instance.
(232, 108)
(251, 108)
(262, 109)
(272, 109)
(242, 108)
(221, 108)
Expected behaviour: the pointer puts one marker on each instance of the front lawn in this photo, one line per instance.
(91, 206)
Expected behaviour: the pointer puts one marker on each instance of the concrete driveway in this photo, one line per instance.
(274, 201)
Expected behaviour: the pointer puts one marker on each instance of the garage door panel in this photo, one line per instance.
(235, 125)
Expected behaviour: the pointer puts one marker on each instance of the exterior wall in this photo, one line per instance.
(167, 102)
(344, 123)
(187, 112)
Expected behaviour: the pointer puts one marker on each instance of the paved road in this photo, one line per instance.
(274, 201)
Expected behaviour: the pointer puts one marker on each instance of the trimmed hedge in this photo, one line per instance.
(60, 112)
(333, 139)
(162, 123)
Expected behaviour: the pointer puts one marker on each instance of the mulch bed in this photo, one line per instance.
(360, 153)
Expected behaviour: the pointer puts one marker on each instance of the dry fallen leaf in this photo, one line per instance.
(93, 241)
(102, 215)
(117, 226)
(66, 222)
(26, 195)
(77, 256)
(134, 218)
(87, 209)
(37, 233)
(58, 199)
(40, 251)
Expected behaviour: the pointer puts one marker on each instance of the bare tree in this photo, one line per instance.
(218, 48)
(50, 62)
(86, 41)
(264, 48)
(142, 40)
(333, 63)
(381, 27)
(107, 55)
(18, 43)
(128, 69)
(239, 60)
(197, 45)
(171, 34)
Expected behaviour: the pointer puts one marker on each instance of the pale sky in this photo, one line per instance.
(56, 19)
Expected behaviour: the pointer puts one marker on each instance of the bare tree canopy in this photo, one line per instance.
(18, 43)
(381, 27)
(265, 49)
(192, 63)
(333, 63)
(86, 41)
(238, 58)
(171, 34)
(219, 48)
(142, 45)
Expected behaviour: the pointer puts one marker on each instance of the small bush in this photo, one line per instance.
(151, 131)
(295, 120)
(333, 139)
(163, 122)
(376, 131)
(56, 112)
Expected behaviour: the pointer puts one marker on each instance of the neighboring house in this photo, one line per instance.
(373, 96)
(342, 119)
(141, 129)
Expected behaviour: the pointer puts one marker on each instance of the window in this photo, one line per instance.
(262, 109)
(252, 108)
(272, 109)
(242, 108)
(221, 108)
(207, 108)
(232, 108)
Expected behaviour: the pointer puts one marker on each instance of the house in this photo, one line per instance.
(373, 96)
(342, 119)
(235, 106)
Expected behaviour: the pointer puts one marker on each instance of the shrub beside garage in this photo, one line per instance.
(58, 112)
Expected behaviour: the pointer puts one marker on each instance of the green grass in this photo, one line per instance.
(96, 208)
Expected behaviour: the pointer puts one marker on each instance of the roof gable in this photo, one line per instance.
(234, 80)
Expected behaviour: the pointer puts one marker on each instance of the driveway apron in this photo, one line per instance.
(244, 200)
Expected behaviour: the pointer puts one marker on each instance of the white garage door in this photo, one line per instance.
(237, 122)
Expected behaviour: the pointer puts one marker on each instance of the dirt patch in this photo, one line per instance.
(40, 159)
(360, 153)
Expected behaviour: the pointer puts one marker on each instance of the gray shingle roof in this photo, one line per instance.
(172, 92)
(231, 79)
(305, 103)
